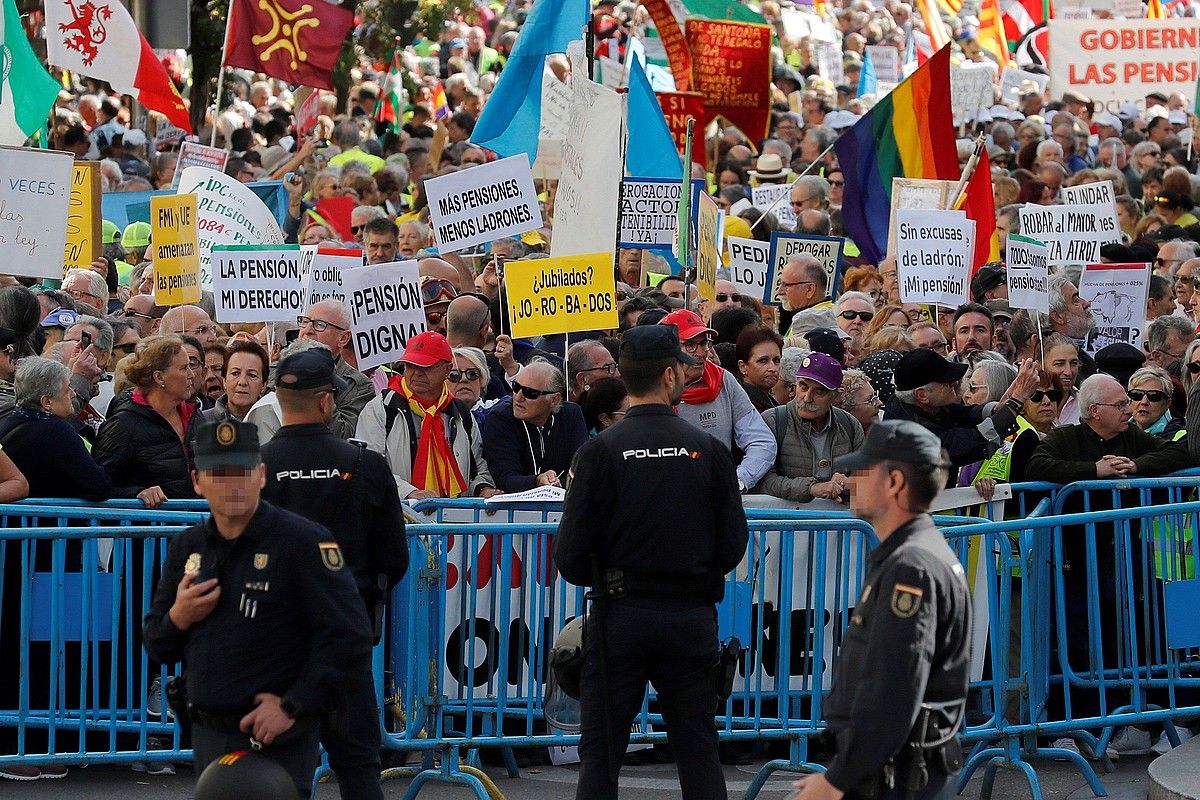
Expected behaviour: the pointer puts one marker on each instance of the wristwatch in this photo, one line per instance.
(290, 707)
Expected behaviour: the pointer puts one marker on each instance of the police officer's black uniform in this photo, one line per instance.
(288, 622)
(351, 491)
(907, 648)
(654, 503)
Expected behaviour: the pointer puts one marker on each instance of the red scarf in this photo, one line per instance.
(707, 390)
(436, 468)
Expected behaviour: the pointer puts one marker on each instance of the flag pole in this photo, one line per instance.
(220, 78)
(771, 207)
(960, 191)
(683, 232)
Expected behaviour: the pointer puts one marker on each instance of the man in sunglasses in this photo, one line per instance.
(141, 312)
(328, 322)
(853, 312)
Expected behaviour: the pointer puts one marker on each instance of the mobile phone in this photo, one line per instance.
(85, 340)
(499, 265)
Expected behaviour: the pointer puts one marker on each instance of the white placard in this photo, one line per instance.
(556, 106)
(227, 212)
(971, 87)
(1074, 12)
(613, 73)
(324, 279)
(482, 204)
(585, 208)
(1117, 294)
(649, 212)
(764, 197)
(258, 283)
(829, 62)
(1101, 196)
(35, 197)
(1129, 9)
(748, 265)
(385, 309)
(886, 61)
(934, 251)
(1012, 79)
(1028, 274)
(1073, 234)
(194, 154)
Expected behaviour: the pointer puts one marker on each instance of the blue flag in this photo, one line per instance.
(512, 118)
(652, 152)
(867, 84)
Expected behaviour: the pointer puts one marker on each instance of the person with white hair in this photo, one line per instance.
(87, 289)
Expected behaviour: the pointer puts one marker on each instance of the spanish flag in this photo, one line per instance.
(991, 32)
(1155, 10)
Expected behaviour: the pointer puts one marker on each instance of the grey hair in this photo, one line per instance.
(824, 136)
(1001, 127)
(1046, 146)
(421, 227)
(1142, 148)
(863, 296)
(1055, 286)
(96, 284)
(780, 147)
(339, 309)
(910, 395)
(578, 356)
(789, 362)
(558, 381)
(1154, 374)
(1089, 392)
(301, 345)
(104, 330)
(1157, 330)
(816, 186)
(852, 381)
(37, 378)
(997, 375)
(476, 357)
(347, 134)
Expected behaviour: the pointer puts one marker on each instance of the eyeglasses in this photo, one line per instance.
(873, 400)
(79, 294)
(611, 369)
(865, 316)
(129, 312)
(938, 347)
(201, 330)
(462, 375)
(1137, 395)
(722, 297)
(433, 318)
(318, 325)
(435, 290)
(698, 345)
(1042, 394)
(1194, 367)
(125, 349)
(356, 229)
(531, 394)
(1122, 404)
(194, 363)
(799, 203)
(975, 387)
(786, 284)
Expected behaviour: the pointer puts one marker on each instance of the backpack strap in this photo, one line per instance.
(393, 406)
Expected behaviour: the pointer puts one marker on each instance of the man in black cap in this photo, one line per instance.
(927, 392)
(990, 283)
(350, 490)
(259, 604)
(658, 569)
(900, 686)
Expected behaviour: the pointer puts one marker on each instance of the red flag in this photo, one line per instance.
(980, 206)
(295, 41)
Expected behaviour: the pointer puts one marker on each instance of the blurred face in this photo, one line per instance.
(231, 491)
(427, 382)
(812, 400)
(630, 267)
(181, 377)
(972, 334)
(466, 381)
(214, 375)
(380, 247)
(1062, 365)
(854, 316)
(762, 370)
(1150, 402)
(244, 382)
(976, 393)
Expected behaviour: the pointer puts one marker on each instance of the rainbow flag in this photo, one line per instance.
(908, 134)
(441, 108)
(1154, 10)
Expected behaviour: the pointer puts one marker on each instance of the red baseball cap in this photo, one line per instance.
(689, 323)
(426, 349)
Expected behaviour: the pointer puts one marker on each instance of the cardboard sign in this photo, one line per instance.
(325, 273)
(933, 256)
(826, 249)
(1100, 196)
(678, 107)
(83, 218)
(748, 260)
(1012, 79)
(1118, 60)
(767, 198)
(917, 193)
(35, 197)
(613, 73)
(971, 87)
(561, 295)
(308, 111)
(227, 213)
(1028, 274)
(1117, 294)
(192, 154)
(732, 69)
(175, 248)
(1073, 234)
(385, 309)
(482, 204)
(585, 208)
(886, 60)
(829, 62)
(257, 283)
(708, 247)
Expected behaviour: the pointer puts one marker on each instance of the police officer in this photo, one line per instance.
(351, 491)
(259, 604)
(659, 566)
(901, 683)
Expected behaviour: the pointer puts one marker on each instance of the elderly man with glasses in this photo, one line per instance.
(328, 322)
(189, 321)
(87, 289)
(141, 312)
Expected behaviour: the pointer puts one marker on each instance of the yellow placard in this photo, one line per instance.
(708, 255)
(83, 218)
(561, 295)
(176, 252)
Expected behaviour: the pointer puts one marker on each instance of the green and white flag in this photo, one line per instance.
(23, 112)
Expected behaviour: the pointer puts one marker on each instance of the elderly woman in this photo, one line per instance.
(414, 236)
(41, 441)
(858, 398)
(246, 368)
(605, 405)
(469, 379)
(1151, 389)
(785, 389)
(987, 383)
(145, 444)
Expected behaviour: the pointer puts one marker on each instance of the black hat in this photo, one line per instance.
(987, 278)
(245, 774)
(894, 440)
(8, 337)
(309, 369)
(923, 366)
(1120, 360)
(827, 341)
(651, 316)
(1157, 95)
(228, 443)
(652, 342)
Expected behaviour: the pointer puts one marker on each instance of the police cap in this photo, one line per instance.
(652, 343)
(227, 443)
(309, 369)
(894, 440)
(243, 775)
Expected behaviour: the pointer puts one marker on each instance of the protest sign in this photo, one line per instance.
(971, 87)
(1028, 274)
(933, 256)
(192, 154)
(556, 109)
(1129, 9)
(227, 213)
(708, 246)
(175, 250)
(678, 107)
(257, 283)
(917, 193)
(886, 60)
(829, 62)
(1117, 294)
(35, 197)
(1012, 79)
(1101, 197)
(748, 260)
(83, 217)
(650, 211)
(308, 110)
(482, 204)
(670, 33)
(325, 273)
(784, 246)
(1118, 60)
(1074, 12)
(585, 208)
(1073, 233)
(732, 66)
(385, 310)
(765, 198)
(561, 295)
(613, 73)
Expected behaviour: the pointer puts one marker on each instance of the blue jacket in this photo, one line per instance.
(509, 445)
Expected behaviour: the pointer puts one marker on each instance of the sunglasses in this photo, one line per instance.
(1137, 395)
(461, 375)
(1194, 367)
(1041, 394)
(531, 394)
(356, 229)
(723, 298)
(432, 318)
(865, 316)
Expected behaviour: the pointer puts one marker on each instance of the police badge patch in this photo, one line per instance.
(906, 600)
(260, 560)
(331, 555)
